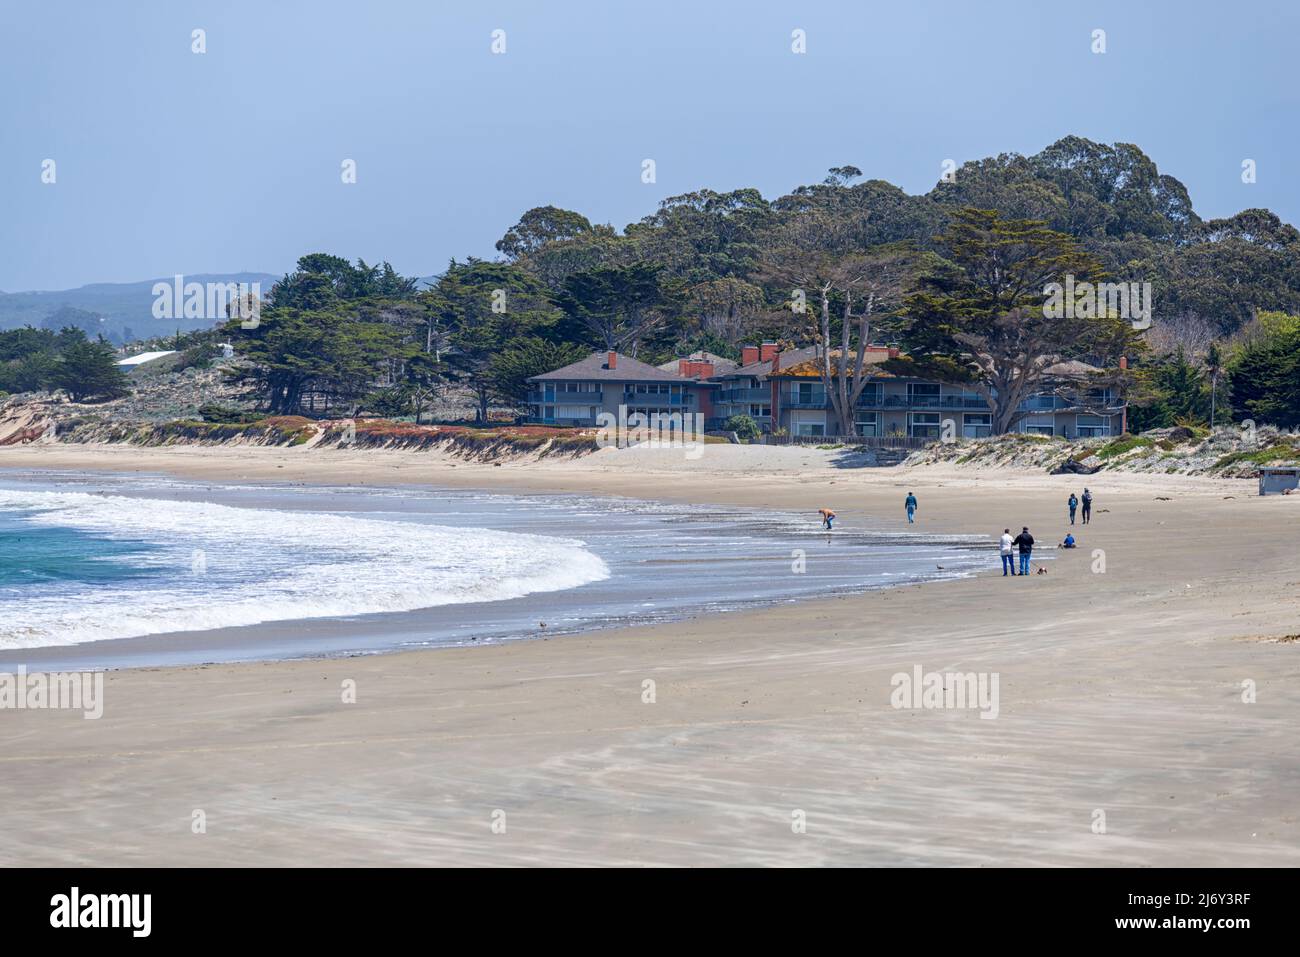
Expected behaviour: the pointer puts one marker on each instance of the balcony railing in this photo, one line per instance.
(1057, 403)
(871, 400)
(568, 398)
(542, 420)
(656, 399)
(744, 395)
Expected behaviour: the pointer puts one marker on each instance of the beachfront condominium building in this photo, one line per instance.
(894, 405)
(782, 391)
(602, 382)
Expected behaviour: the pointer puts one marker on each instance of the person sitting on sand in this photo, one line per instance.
(827, 517)
(1069, 541)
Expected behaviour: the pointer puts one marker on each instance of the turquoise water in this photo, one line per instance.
(34, 556)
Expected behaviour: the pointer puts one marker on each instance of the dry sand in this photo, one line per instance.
(1120, 692)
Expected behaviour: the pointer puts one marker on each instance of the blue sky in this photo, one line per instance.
(169, 161)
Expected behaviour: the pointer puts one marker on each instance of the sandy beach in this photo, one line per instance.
(1121, 691)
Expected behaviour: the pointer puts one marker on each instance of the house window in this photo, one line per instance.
(866, 423)
(1090, 426)
(804, 393)
(923, 425)
(1041, 403)
(923, 394)
(977, 425)
(811, 428)
(870, 394)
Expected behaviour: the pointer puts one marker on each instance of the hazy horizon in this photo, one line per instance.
(229, 161)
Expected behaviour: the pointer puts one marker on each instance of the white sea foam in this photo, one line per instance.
(274, 565)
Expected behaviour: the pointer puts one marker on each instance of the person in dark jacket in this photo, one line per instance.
(910, 504)
(1073, 503)
(1087, 506)
(1025, 543)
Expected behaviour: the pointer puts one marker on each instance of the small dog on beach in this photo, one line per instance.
(1042, 570)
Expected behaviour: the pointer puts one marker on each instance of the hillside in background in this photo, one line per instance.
(120, 311)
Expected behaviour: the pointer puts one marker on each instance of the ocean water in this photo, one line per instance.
(153, 570)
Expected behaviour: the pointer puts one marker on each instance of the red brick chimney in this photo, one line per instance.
(695, 368)
(767, 351)
(611, 363)
(776, 363)
(748, 355)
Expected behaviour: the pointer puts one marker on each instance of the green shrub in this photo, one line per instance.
(214, 412)
(1122, 444)
(746, 429)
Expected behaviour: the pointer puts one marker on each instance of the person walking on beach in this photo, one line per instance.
(1008, 560)
(910, 505)
(1087, 506)
(827, 517)
(1073, 503)
(1025, 542)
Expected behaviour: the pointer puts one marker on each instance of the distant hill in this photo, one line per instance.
(121, 311)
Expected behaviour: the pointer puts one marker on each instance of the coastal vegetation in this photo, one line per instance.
(954, 277)
(34, 360)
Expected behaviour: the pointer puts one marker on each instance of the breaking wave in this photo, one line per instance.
(170, 566)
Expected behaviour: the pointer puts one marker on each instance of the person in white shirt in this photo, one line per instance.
(1008, 560)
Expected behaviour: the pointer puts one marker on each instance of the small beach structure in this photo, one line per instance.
(1278, 480)
(136, 361)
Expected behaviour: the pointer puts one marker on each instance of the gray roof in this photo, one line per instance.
(594, 368)
(721, 364)
(1072, 367)
(788, 358)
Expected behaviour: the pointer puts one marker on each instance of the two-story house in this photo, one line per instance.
(577, 393)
